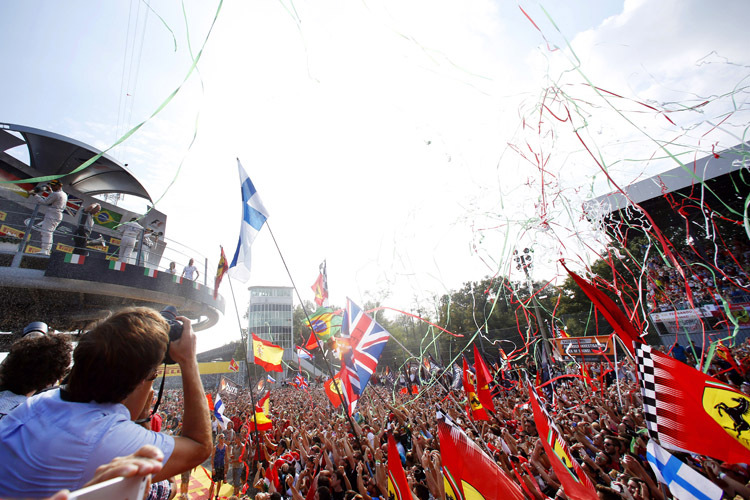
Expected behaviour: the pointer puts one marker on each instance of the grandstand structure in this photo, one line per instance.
(701, 206)
(70, 293)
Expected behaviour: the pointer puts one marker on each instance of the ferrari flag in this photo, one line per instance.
(483, 381)
(234, 366)
(477, 410)
(398, 487)
(574, 481)
(332, 393)
(686, 410)
(468, 473)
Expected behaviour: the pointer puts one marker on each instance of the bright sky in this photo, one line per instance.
(394, 138)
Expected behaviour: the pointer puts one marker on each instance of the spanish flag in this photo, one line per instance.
(221, 270)
(262, 414)
(267, 355)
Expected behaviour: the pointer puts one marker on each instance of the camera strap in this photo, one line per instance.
(158, 398)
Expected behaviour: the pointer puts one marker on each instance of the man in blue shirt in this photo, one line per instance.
(57, 439)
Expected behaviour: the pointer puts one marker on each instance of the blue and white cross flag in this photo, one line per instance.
(219, 411)
(254, 215)
(683, 481)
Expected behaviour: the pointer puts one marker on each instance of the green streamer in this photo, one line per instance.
(133, 130)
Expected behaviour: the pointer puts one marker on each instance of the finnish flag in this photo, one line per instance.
(684, 482)
(219, 411)
(254, 215)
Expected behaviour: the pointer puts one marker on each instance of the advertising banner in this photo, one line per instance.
(590, 347)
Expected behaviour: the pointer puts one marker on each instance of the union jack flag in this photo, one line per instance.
(367, 339)
(300, 382)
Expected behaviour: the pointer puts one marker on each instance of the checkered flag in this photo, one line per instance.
(661, 418)
(648, 386)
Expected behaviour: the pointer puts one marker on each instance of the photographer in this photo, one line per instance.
(58, 438)
(55, 202)
(35, 361)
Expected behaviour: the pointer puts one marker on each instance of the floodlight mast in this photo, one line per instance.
(525, 261)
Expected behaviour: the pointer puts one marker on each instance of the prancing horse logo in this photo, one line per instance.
(737, 414)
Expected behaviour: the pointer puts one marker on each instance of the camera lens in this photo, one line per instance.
(169, 313)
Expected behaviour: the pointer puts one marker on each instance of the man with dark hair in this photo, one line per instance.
(323, 493)
(58, 438)
(34, 362)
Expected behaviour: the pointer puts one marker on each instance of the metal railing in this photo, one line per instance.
(18, 240)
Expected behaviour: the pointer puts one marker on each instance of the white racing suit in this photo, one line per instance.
(55, 202)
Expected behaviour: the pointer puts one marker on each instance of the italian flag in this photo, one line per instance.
(151, 273)
(196, 285)
(74, 259)
(177, 279)
(117, 265)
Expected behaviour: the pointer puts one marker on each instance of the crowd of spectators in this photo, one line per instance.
(314, 451)
(314, 446)
(725, 278)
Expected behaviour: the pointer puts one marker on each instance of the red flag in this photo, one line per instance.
(210, 402)
(685, 409)
(483, 381)
(613, 314)
(333, 396)
(723, 353)
(574, 481)
(234, 366)
(398, 488)
(320, 287)
(273, 476)
(312, 342)
(466, 469)
(220, 272)
(477, 410)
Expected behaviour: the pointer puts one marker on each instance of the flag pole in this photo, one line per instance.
(317, 339)
(617, 373)
(243, 338)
